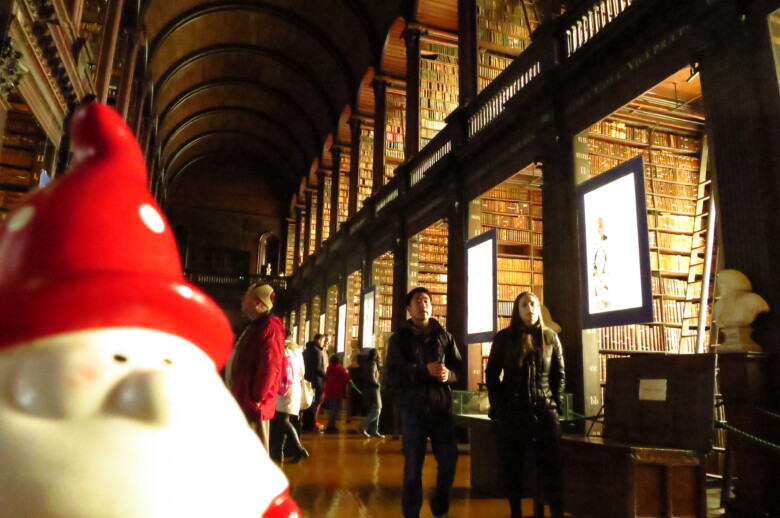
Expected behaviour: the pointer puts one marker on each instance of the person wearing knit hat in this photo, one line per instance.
(255, 365)
(110, 401)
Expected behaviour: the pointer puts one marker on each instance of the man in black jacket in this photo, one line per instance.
(314, 365)
(422, 362)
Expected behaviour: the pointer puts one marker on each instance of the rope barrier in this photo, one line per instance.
(758, 440)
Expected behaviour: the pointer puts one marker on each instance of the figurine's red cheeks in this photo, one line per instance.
(283, 506)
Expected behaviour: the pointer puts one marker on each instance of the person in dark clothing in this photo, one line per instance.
(526, 400)
(371, 396)
(422, 363)
(314, 367)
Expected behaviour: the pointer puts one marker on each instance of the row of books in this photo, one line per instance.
(672, 174)
(432, 247)
(661, 202)
(671, 241)
(506, 221)
(669, 286)
(670, 263)
(510, 193)
(517, 236)
(433, 277)
(639, 337)
(518, 277)
(14, 176)
(676, 141)
(10, 199)
(519, 263)
(492, 62)
(17, 157)
(509, 292)
(621, 130)
(671, 222)
(615, 150)
(682, 190)
(510, 207)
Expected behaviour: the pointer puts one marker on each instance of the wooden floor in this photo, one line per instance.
(350, 476)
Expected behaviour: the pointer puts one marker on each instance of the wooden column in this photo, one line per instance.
(457, 222)
(355, 125)
(108, 48)
(412, 36)
(742, 108)
(297, 244)
(380, 112)
(321, 173)
(128, 71)
(335, 153)
(561, 261)
(467, 51)
(400, 271)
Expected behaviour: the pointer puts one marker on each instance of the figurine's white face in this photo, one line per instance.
(125, 423)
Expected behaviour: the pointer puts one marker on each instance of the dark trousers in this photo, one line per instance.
(548, 465)
(283, 429)
(311, 414)
(416, 430)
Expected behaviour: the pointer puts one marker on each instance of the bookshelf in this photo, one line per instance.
(502, 34)
(343, 208)
(366, 165)
(438, 86)
(514, 210)
(290, 254)
(383, 280)
(395, 115)
(354, 288)
(302, 318)
(428, 266)
(314, 320)
(301, 227)
(326, 189)
(332, 312)
(21, 157)
(312, 217)
(676, 186)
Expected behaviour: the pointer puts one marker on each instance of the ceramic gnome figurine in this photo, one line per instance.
(734, 311)
(110, 401)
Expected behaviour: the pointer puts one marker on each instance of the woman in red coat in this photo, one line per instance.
(336, 380)
(255, 366)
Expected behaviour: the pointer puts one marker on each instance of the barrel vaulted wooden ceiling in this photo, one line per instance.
(270, 85)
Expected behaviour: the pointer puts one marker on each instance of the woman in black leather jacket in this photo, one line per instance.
(525, 401)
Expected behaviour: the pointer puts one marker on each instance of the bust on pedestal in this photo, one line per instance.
(745, 381)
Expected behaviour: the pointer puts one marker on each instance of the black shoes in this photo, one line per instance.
(302, 453)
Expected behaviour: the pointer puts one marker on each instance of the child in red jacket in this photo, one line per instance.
(336, 380)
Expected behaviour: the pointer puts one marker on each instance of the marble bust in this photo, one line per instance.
(735, 309)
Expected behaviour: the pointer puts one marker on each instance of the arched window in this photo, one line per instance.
(267, 255)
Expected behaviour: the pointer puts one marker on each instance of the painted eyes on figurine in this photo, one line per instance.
(121, 358)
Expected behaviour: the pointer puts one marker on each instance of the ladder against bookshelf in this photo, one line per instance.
(365, 167)
(674, 180)
(428, 266)
(502, 34)
(383, 280)
(438, 86)
(395, 115)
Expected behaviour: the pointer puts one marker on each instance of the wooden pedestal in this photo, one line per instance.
(609, 479)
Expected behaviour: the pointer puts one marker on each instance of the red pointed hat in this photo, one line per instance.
(92, 250)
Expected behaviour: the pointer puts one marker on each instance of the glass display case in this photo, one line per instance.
(465, 402)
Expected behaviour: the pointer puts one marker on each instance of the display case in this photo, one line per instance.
(470, 402)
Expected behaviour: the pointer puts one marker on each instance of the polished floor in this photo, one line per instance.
(351, 476)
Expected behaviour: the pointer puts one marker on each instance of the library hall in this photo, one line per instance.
(389, 258)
